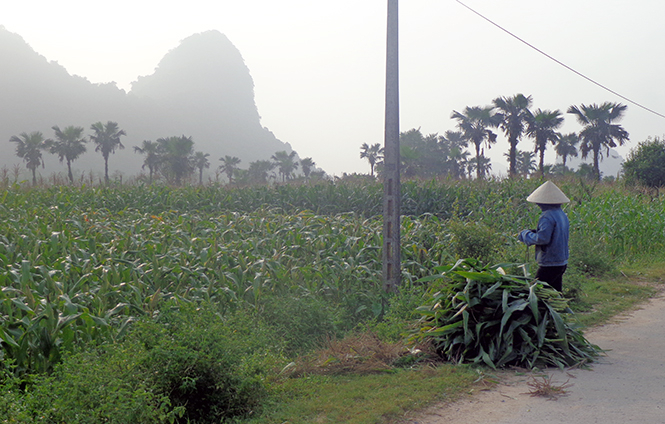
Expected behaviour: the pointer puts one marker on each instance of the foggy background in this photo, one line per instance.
(318, 67)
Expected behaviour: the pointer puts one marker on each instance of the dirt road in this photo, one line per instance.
(626, 385)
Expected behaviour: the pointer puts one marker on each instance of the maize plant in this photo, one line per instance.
(479, 314)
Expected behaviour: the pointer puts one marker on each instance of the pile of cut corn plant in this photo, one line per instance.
(479, 314)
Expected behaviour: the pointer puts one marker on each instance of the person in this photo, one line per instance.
(551, 236)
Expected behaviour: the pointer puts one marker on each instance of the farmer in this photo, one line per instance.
(551, 237)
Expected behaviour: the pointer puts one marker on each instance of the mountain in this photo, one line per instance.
(201, 89)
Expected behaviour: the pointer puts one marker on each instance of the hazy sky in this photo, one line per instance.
(319, 67)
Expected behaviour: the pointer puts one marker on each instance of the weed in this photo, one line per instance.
(544, 387)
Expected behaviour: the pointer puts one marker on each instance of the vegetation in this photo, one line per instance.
(646, 164)
(173, 160)
(432, 155)
(69, 144)
(117, 298)
(482, 315)
(515, 114)
(600, 129)
(29, 148)
(106, 138)
(541, 126)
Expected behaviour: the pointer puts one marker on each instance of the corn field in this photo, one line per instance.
(80, 264)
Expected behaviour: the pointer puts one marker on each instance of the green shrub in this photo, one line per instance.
(214, 368)
(88, 388)
(302, 322)
(400, 312)
(474, 240)
(186, 366)
(646, 163)
(588, 257)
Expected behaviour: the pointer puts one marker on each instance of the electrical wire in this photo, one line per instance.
(561, 63)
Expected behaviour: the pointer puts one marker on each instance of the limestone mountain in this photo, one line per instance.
(201, 89)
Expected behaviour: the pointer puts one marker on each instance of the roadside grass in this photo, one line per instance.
(389, 397)
(604, 298)
(366, 399)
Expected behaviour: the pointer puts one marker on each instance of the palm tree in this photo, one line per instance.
(201, 162)
(107, 139)
(258, 171)
(176, 153)
(285, 163)
(474, 123)
(29, 148)
(152, 157)
(514, 113)
(541, 127)
(525, 163)
(480, 164)
(69, 144)
(599, 129)
(307, 164)
(567, 146)
(373, 154)
(454, 145)
(410, 159)
(229, 166)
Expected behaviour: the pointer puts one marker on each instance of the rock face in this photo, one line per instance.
(201, 89)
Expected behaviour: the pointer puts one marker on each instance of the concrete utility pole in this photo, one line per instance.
(392, 272)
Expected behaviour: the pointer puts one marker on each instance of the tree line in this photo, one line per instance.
(461, 153)
(172, 158)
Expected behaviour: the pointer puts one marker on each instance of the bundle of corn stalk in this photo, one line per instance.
(479, 314)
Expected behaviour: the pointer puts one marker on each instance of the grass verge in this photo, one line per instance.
(602, 299)
(367, 399)
(389, 397)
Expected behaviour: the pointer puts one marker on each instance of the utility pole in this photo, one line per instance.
(392, 271)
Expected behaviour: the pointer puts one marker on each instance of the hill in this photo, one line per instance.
(201, 89)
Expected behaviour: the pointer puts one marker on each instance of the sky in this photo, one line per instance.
(319, 67)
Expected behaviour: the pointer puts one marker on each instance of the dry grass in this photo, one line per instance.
(361, 353)
(544, 387)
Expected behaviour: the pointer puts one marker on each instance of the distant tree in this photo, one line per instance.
(514, 114)
(599, 129)
(560, 169)
(29, 148)
(567, 146)
(107, 139)
(454, 145)
(318, 175)
(373, 154)
(481, 164)
(525, 162)
(542, 125)
(286, 163)
(475, 123)
(423, 156)
(646, 163)
(410, 160)
(229, 166)
(176, 154)
(586, 171)
(307, 164)
(69, 144)
(259, 170)
(201, 162)
(152, 157)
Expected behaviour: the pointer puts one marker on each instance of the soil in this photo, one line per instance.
(625, 385)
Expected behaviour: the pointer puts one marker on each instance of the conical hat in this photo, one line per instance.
(548, 194)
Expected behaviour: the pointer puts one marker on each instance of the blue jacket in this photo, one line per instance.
(551, 237)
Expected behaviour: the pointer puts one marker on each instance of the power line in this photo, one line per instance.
(561, 63)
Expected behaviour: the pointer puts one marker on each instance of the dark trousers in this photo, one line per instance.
(552, 275)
